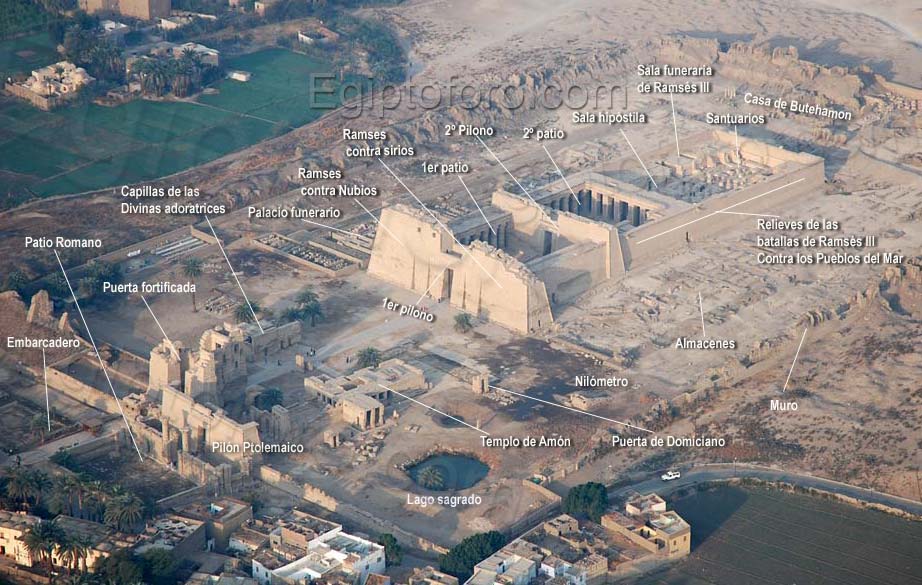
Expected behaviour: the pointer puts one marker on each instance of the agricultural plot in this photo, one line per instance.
(756, 536)
(87, 147)
(24, 54)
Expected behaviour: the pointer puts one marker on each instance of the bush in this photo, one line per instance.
(460, 560)
(393, 552)
(266, 399)
(589, 499)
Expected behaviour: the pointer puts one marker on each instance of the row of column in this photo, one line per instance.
(599, 205)
(499, 240)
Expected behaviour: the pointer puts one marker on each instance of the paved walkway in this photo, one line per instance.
(724, 471)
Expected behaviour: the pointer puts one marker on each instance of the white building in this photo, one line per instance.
(207, 54)
(13, 528)
(330, 552)
(114, 30)
(504, 568)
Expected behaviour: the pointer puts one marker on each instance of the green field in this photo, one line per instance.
(19, 17)
(88, 147)
(765, 537)
(26, 53)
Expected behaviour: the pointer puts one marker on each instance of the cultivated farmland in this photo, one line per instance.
(89, 147)
(756, 536)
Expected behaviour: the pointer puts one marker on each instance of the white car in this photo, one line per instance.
(670, 475)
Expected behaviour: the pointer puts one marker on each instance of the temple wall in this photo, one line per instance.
(182, 412)
(572, 271)
(639, 253)
(420, 255)
(513, 297)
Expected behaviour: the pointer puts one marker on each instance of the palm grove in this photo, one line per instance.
(48, 497)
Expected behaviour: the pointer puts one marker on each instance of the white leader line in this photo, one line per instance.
(47, 400)
(477, 204)
(377, 221)
(704, 332)
(724, 210)
(172, 347)
(675, 127)
(435, 410)
(639, 160)
(524, 190)
(562, 176)
(434, 280)
(797, 353)
(328, 227)
(102, 365)
(438, 221)
(573, 409)
(750, 214)
(234, 274)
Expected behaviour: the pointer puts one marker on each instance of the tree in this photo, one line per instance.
(306, 297)
(159, 566)
(291, 314)
(16, 280)
(244, 314)
(393, 552)
(73, 552)
(88, 287)
(123, 512)
(41, 540)
(268, 398)
(120, 567)
(431, 478)
(368, 358)
(313, 312)
(308, 303)
(463, 323)
(25, 485)
(57, 286)
(18, 486)
(460, 560)
(588, 499)
(37, 426)
(62, 457)
(192, 268)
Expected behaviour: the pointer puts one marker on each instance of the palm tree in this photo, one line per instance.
(18, 486)
(124, 512)
(40, 483)
(243, 313)
(25, 484)
(431, 478)
(37, 426)
(313, 311)
(369, 358)
(192, 268)
(61, 500)
(306, 297)
(41, 541)
(73, 551)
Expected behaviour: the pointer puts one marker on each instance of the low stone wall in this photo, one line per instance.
(365, 519)
(77, 390)
(93, 449)
(182, 498)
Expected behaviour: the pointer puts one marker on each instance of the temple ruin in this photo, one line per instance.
(526, 255)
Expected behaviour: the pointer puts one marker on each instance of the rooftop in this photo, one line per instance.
(669, 523)
(168, 532)
(216, 510)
